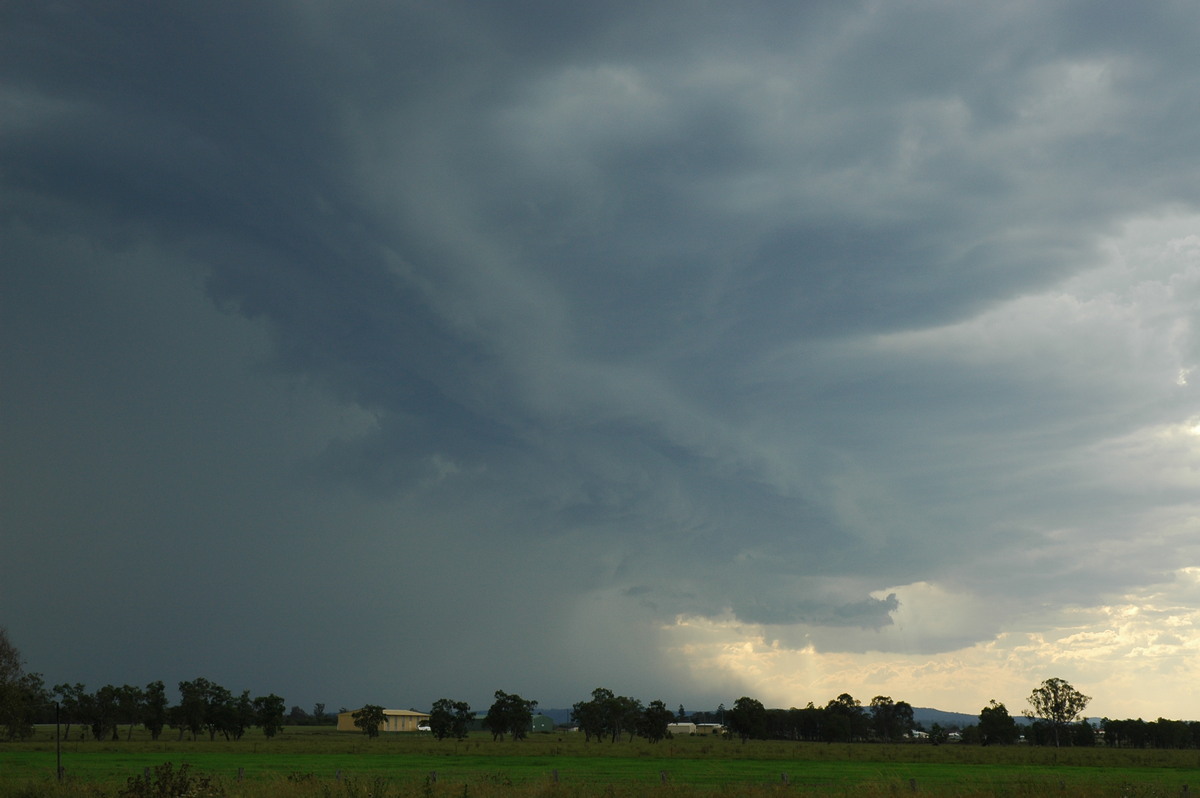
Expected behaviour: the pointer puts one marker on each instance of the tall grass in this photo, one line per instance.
(305, 762)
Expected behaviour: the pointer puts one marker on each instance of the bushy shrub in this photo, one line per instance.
(165, 781)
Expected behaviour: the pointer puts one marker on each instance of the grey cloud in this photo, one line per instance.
(614, 294)
(868, 613)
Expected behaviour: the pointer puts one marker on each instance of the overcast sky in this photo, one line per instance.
(385, 351)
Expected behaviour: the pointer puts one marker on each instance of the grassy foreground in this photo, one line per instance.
(305, 762)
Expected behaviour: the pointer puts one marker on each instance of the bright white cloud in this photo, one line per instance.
(1136, 657)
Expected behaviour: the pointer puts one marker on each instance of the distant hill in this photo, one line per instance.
(925, 716)
(559, 716)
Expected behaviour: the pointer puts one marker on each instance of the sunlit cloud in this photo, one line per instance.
(1137, 657)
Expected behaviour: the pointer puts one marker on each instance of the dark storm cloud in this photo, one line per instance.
(668, 305)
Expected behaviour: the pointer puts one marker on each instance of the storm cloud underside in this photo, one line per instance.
(823, 347)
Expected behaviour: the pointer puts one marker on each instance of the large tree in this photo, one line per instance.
(268, 714)
(654, 720)
(21, 694)
(71, 700)
(890, 720)
(155, 708)
(369, 719)
(450, 719)
(1056, 701)
(190, 713)
(131, 706)
(845, 719)
(747, 719)
(607, 714)
(220, 711)
(592, 716)
(509, 714)
(103, 711)
(240, 716)
(996, 726)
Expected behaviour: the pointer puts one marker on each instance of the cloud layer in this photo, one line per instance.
(525, 348)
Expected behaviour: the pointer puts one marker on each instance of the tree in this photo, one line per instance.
(845, 719)
(809, 722)
(71, 698)
(204, 706)
(1059, 703)
(607, 714)
(652, 725)
(450, 719)
(131, 702)
(11, 664)
(21, 694)
(509, 714)
(239, 716)
(369, 719)
(155, 708)
(188, 714)
(626, 713)
(318, 714)
(268, 714)
(996, 726)
(220, 711)
(590, 716)
(890, 720)
(102, 712)
(747, 719)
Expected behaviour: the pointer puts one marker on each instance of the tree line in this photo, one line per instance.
(604, 715)
(842, 719)
(205, 707)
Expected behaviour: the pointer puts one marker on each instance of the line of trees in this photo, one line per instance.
(207, 707)
(204, 707)
(605, 714)
(609, 715)
(842, 719)
(1161, 733)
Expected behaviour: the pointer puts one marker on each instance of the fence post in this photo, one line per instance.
(241, 773)
(784, 778)
(662, 776)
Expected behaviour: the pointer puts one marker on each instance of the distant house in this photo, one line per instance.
(681, 728)
(709, 728)
(394, 720)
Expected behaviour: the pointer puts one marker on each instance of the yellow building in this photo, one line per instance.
(394, 720)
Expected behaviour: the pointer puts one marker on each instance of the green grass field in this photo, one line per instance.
(320, 762)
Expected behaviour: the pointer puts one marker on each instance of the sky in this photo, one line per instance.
(379, 352)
